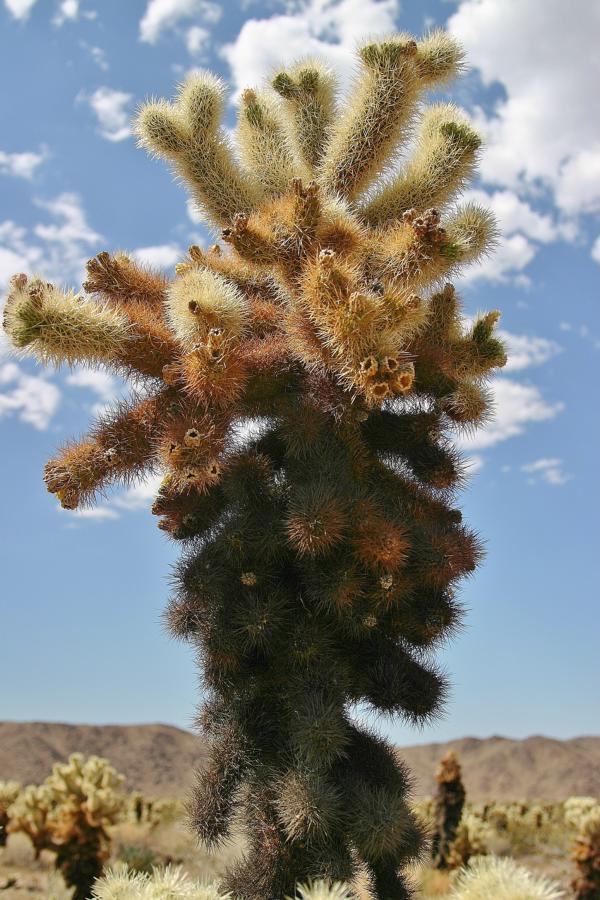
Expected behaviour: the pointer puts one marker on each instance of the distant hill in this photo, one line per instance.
(161, 759)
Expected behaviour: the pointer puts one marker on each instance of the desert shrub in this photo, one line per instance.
(9, 791)
(138, 857)
(70, 814)
(495, 878)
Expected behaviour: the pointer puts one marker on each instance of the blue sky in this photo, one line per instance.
(82, 595)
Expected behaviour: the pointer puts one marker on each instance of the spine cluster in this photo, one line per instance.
(298, 384)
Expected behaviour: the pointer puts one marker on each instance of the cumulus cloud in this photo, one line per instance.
(545, 128)
(162, 256)
(32, 398)
(20, 9)
(507, 262)
(596, 250)
(111, 110)
(527, 350)
(102, 384)
(164, 15)
(97, 54)
(310, 28)
(68, 11)
(57, 249)
(516, 406)
(139, 495)
(98, 513)
(197, 40)
(549, 470)
(21, 165)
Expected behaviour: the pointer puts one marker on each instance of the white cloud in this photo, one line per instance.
(97, 54)
(104, 385)
(516, 406)
(73, 228)
(310, 28)
(596, 250)
(68, 11)
(32, 398)
(57, 250)
(194, 213)
(550, 470)
(21, 165)
(162, 256)
(507, 262)
(196, 40)
(93, 512)
(20, 9)
(546, 127)
(527, 350)
(110, 109)
(515, 215)
(162, 15)
(139, 495)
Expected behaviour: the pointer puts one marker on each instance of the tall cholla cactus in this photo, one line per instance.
(449, 803)
(322, 545)
(9, 791)
(70, 813)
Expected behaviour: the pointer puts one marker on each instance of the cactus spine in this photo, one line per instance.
(322, 549)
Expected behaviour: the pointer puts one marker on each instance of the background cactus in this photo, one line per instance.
(9, 791)
(449, 803)
(70, 813)
(299, 388)
(502, 879)
(586, 853)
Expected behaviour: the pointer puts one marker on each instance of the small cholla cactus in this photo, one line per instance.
(586, 853)
(472, 837)
(9, 791)
(70, 813)
(500, 878)
(163, 884)
(324, 890)
(31, 814)
(324, 545)
(449, 802)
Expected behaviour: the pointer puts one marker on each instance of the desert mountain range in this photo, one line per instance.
(160, 759)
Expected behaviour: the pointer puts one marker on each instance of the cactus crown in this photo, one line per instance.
(322, 543)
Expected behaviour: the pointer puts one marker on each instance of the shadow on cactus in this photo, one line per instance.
(322, 544)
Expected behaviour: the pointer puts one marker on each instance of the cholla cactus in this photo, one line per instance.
(164, 884)
(576, 810)
(324, 890)
(472, 837)
(323, 548)
(70, 813)
(502, 879)
(173, 884)
(31, 814)
(449, 803)
(586, 853)
(9, 791)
